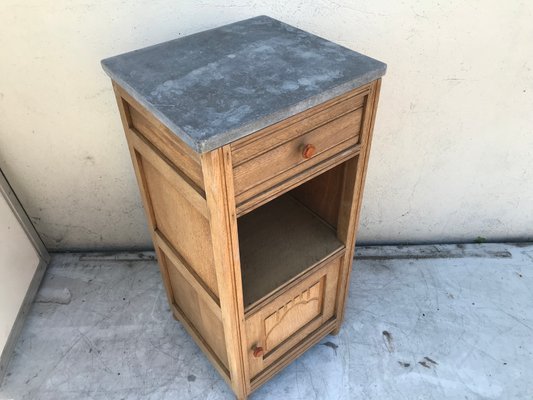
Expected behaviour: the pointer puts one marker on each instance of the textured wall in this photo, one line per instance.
(453, 141)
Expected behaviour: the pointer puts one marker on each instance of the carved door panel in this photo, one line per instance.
(291, 317)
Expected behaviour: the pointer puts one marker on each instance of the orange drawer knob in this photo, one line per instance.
(309, 151)
(257, 351)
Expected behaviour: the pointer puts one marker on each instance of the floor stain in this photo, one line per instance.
(387, 337)
(191, 378)
(431, 361)
(428, 362)
(404, 364)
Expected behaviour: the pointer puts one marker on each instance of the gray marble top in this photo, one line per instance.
(217, 86)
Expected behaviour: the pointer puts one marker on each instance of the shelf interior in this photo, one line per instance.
(278, 241)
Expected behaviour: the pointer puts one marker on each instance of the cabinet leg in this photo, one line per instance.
(336, 331)
(174, 316)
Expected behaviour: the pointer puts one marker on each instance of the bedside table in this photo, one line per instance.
(250, 144)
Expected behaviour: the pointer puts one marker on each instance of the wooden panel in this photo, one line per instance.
(340, 133)
(189, 274)
(294, 352)
(278, 242)
(204, 320)
(322, 194)
(181, 224)
(295, 313)
(172, 175)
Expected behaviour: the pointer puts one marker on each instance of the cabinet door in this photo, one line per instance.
(287, 320)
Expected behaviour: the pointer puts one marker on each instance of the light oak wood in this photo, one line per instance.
(189, 274)
(205, 319)
(255, 239)
(181, 234)
(282, 157)
(309, 341)
(182, 225)
(167, 171)
(291, 316)
(273, 167)
(218, 179)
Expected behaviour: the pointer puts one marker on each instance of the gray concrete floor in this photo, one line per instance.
(422, 322)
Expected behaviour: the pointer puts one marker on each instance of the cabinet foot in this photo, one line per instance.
(336, 331)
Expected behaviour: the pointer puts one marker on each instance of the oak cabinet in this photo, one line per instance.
(252, 184)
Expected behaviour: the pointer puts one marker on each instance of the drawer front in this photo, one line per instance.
(274, 155)
(288, 319)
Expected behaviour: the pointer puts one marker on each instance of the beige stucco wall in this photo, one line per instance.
(453, 143)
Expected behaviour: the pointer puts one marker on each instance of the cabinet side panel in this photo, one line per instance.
(182, 225)
(177, 213)
(191, 304)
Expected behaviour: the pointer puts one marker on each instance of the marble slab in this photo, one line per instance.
(214, 87)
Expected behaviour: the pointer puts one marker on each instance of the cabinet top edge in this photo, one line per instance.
(217, 86)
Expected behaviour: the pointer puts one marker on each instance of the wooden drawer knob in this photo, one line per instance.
(309, 151)
(258, 351)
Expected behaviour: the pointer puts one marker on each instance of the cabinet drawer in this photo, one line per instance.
(281, 324)
(284, 150)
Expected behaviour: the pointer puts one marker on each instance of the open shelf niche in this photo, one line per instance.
(287, 236)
